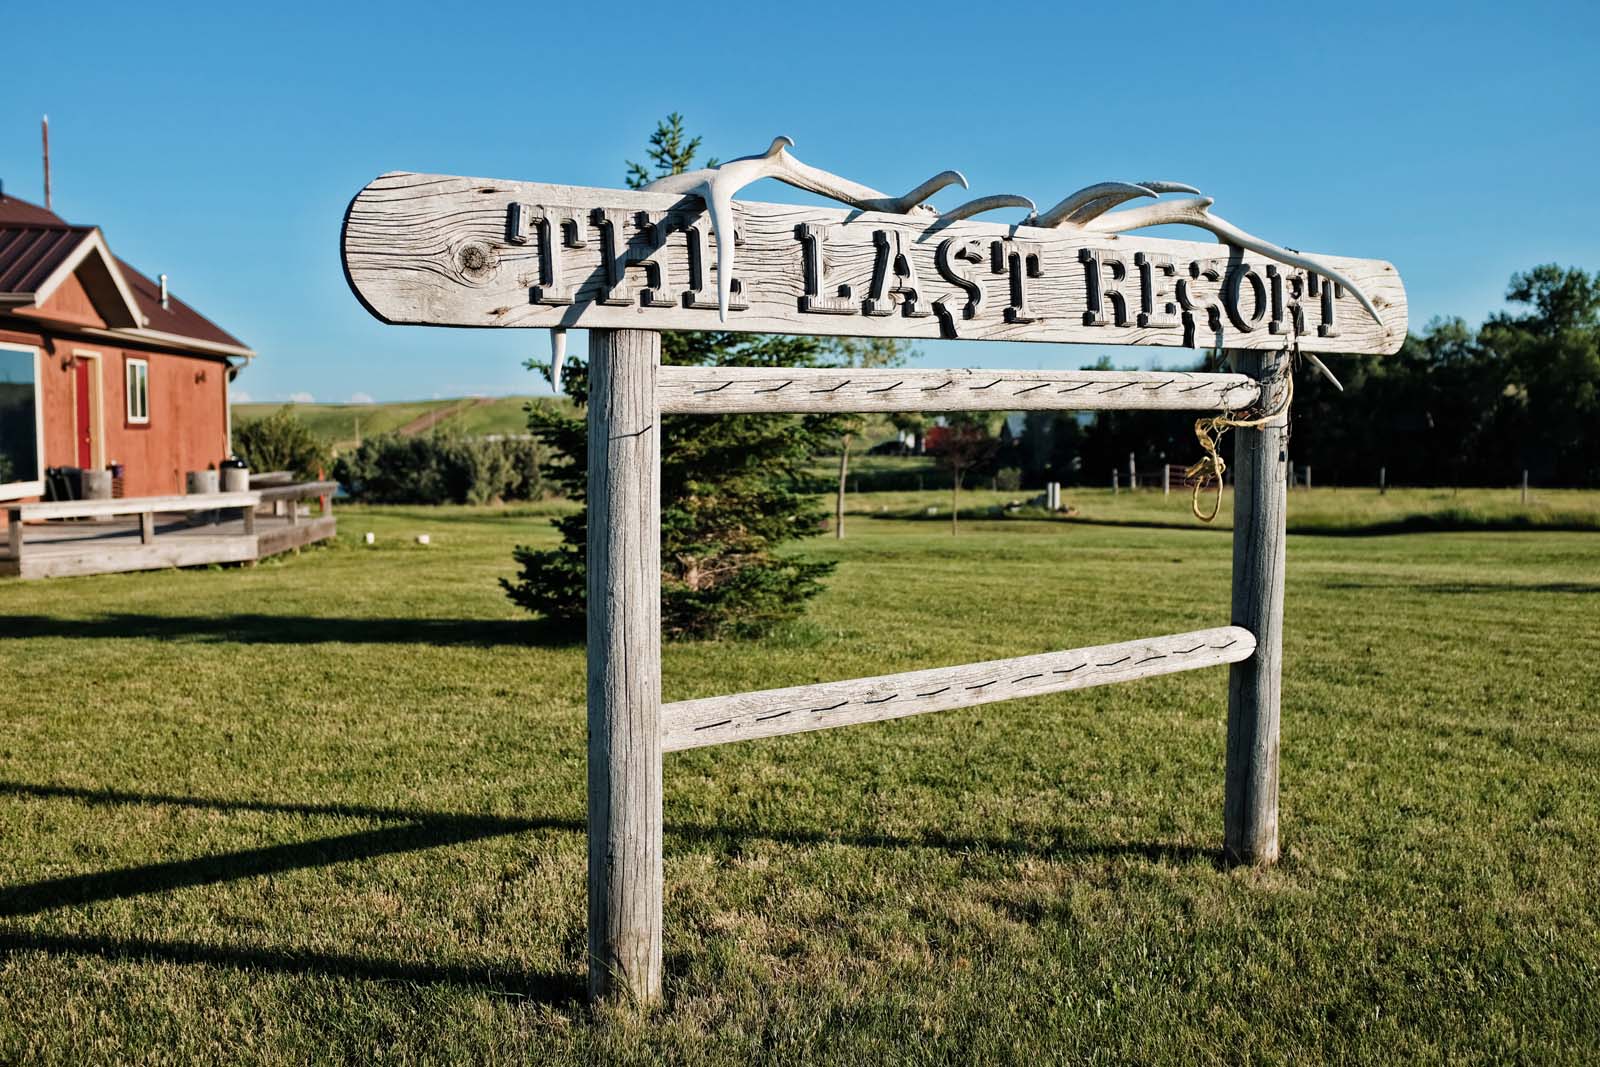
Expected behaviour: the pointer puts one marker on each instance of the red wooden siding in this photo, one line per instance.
(188, 424)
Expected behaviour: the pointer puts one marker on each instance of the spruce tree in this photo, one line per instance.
(729, 483)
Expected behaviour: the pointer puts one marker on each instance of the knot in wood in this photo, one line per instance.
(476, 261)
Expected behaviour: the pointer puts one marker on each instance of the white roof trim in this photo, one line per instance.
(170, 340)
(95, 242)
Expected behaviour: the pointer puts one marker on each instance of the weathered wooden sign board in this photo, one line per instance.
(682, 255)
(436, 250)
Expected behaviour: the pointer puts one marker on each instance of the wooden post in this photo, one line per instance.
(1524, 487)
(14, 533)
(1250, 806)
(147, 527)
(624, 564)
(1113, 481)
(249, 516)
(1166, 479)
(1308, 476)
(1383, 480)
(1133, 472)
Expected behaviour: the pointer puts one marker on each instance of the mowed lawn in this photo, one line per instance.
(330, 809)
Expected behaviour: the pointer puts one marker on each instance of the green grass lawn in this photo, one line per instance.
(330, 809)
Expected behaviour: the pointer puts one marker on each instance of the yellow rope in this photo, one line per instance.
(1209, 430)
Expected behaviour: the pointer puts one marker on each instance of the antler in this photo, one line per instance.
(1112, 193)
(1195, 212)
(1087, 209)
(985, 203)
(716, 186)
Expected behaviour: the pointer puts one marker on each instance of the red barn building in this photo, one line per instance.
(100, 366)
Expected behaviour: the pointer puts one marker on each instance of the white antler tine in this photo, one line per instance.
(1095, 208)
(1089, 194)
(900, 205)
(720, 200)
(1193, 212)
(558, 354)
(1311, 357)
(986, 203)
(1169, 187)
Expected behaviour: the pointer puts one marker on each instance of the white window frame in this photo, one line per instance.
(141, 418)
(13, 490)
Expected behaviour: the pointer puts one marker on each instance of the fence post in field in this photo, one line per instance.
(1113, 481)
(624, 567)
(1383, 480)
(1133, 472)
(1524, 487)
(1166, 479)
(1308, 476)
(1250, 806)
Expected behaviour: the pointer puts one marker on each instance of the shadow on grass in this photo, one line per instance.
(418, 830)
(1469, 588)
(295, 630)
(552, 988)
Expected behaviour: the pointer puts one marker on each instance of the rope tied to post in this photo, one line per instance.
(1210, 429)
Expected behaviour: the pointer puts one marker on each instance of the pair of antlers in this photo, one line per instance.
(1086, 211)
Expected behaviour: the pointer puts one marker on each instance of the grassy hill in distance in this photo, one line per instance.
(342, 425)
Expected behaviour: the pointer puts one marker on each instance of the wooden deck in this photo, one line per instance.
(108, 545)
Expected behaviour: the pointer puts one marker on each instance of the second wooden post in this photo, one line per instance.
(624, 573)
(1260, 461)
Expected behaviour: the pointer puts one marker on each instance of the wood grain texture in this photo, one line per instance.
(83, 509)
(439, 250)
(731, 390)
(296, 490)
(1260, 461)
(773, 712)
(624, 574)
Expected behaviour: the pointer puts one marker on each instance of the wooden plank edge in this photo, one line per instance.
(690, 724)
(736, 390)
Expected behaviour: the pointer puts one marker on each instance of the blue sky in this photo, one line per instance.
(221, 143)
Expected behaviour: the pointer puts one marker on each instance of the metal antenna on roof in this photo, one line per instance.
(44, 127)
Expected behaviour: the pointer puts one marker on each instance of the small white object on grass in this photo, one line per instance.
(422, 539)
(370, 537)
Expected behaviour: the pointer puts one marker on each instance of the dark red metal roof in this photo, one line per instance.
(30, 254)
(177, 317)
(21, 213)
(34, 242)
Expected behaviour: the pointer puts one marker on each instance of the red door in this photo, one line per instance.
(85, 428)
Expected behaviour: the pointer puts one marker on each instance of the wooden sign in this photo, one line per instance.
(684, 255)
(436, 250)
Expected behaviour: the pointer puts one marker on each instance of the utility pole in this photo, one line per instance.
(44, 129)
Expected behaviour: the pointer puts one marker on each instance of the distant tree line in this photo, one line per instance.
(1455, 406)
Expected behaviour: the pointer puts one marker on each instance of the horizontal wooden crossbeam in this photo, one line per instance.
(772, 712)
(730, 390)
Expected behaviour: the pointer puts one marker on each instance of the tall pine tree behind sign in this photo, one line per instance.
(728, 486)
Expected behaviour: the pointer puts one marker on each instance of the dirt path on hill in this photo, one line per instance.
(424, 423)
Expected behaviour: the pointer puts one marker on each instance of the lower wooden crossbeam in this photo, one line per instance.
(771, 712)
